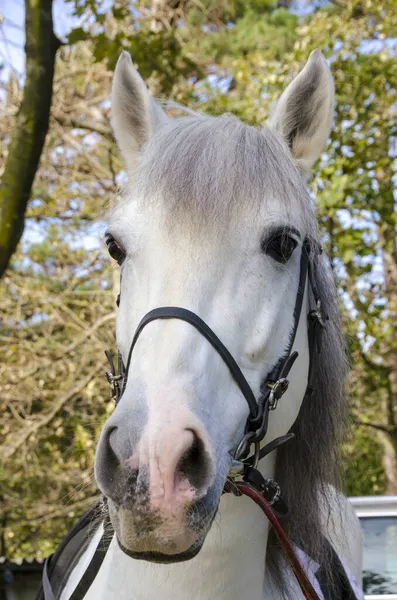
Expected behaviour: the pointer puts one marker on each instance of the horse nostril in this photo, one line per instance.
(107, 461)
(109, 432)
(195, 465)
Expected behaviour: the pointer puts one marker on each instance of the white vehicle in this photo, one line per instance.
(378, 518)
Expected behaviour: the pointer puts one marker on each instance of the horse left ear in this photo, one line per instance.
(304, 112)
(135, 115)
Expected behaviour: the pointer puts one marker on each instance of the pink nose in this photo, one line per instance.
(178, 464)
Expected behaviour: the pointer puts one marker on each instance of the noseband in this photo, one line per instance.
(274, 385)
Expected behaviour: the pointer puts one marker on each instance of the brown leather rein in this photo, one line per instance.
(246, 489)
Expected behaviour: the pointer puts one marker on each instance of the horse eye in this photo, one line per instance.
(280, 247)
(116, 251)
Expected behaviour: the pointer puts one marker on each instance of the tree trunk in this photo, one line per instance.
(390, 266)
(31, 126)
(389, 243)
(390, 463)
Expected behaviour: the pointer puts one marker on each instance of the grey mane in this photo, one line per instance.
(309, 464)
(205, 167)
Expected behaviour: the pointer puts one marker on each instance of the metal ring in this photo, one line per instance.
(256, 455)
(241, 450)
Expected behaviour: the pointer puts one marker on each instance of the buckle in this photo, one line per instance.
(277, 390)
(112, 377)
(267, 486)
(272, 491)
(113, 381)
(317, 314)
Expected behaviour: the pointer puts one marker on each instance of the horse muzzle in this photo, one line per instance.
(159, 497)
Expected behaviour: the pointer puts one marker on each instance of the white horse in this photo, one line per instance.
(214, 220)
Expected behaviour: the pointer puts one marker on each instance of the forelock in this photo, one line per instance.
(206, 168)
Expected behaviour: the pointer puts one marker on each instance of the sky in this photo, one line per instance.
(12, 34)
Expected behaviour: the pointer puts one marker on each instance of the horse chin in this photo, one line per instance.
(162, 558)
(145, 536)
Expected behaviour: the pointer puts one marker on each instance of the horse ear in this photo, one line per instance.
(135, 115)
(304, 112)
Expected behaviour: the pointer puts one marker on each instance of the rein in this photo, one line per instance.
(246, 489)
(266, 493)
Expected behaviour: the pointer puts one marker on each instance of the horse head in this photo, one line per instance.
(213, 220)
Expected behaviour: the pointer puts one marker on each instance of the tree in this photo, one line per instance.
(58, 311)
(58, 294)
(30, 128)
(356, 196)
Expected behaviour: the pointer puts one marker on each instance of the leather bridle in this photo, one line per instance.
(274, 385)
(264, 491)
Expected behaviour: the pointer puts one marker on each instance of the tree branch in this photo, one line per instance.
(102, 130)
(61, 354)
(377, 426)
(87, 334)
(56, 514)
(49, 416)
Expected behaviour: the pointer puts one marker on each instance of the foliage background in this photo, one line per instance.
(57, 295)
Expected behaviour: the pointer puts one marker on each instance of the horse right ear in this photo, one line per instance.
(304, 112)
(135, 115)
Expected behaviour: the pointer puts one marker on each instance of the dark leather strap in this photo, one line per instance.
(282, 368)
(93, 568)
(316, 324)
(48, 592)
(45, 582)
(274, 385)
(174, 312)
(304, 267)
(60, 564)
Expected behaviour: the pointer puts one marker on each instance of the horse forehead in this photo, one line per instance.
(157, 224)
(207, 176)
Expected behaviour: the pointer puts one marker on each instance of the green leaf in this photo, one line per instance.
(77, 35)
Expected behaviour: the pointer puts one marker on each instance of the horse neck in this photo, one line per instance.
(231, 564)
